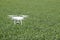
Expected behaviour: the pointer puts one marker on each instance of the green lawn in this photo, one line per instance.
(43, 22)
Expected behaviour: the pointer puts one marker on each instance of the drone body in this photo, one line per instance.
(17, 19)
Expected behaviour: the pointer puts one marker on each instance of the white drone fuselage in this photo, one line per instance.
(17, 19)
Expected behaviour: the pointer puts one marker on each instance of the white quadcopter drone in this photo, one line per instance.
(17, 19)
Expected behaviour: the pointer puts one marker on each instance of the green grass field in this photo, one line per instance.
(43, 22)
